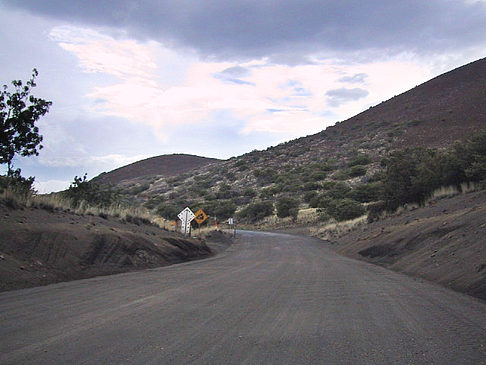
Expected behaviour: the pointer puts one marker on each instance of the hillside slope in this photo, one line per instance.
(39, 247)
(443, 242)
(437, 113)
(164, 165)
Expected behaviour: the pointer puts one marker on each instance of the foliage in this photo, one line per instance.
(251, 193)
(154, 201)
(411, 175)
(168, 211)
(266, 176)
(82, 190)
(224, 192)
(309, 196)
(19, 110)
(287, 207)
(357, 170)
(18, 184)
(338, 190)
(360, 160)
(366, 193)
(344, 209)
(256, 211)
(341, 175)
(222, 209)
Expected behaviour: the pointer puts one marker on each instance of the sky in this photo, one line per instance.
(216, 78)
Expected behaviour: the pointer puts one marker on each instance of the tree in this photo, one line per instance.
(19, 110)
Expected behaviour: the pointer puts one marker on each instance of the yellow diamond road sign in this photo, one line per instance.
(200, 216)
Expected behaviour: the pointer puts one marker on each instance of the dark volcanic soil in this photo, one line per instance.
(444, 242)
(38, 247)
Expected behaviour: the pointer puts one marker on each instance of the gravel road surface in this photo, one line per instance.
(268, 299)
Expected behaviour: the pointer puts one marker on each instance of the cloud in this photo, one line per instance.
(286, 29)
(234, 75)
(99, 53)
(340, 96)
(355, 79)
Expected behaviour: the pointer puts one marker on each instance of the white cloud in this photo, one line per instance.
(98, 53)
(282, 99)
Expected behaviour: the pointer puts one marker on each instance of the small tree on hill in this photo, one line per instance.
(18, 113)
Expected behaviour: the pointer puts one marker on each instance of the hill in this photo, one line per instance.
(345, 156)
(164, 165)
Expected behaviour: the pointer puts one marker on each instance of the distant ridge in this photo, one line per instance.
(164, 165)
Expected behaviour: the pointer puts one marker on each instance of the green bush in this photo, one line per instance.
(357, 170)
(256, 211)
(338, 190)
(411, 175)
(309, 195)
(287, 207)
(341, 175)
(320, 201)
(345, 209)
(251, 193)
(222, 209)
(168, 211)
(367, 192)
(90, 192)
(18, 184)
(360, 160)
(266, 176)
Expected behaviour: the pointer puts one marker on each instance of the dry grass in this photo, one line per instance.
(335, 229)
(53, 202)
(449, 191)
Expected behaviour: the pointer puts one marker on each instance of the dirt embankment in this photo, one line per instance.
(444, 242)
(38, 247)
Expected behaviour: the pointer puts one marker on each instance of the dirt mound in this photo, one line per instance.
(38, 247)
(444, 242)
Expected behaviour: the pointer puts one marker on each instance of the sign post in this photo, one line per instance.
(186, 216)
(231, 222)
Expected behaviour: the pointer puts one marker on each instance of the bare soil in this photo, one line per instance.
(444, 242)
(38, 247)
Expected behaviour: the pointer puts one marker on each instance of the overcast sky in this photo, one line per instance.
(135, 79)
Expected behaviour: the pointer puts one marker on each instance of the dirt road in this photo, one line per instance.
(268, 299)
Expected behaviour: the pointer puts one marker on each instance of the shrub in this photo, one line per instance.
(367, 192)
(345, 209)
(360, 160)
(375, 209)
(222, 209)
(287, 207)
(357, 170)
(168, 211)
(266, 176)
(341, 175)
(256, 211)
(309, 195)
(82, 190)
(338, 190)
(17, 184)
(250, 193)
